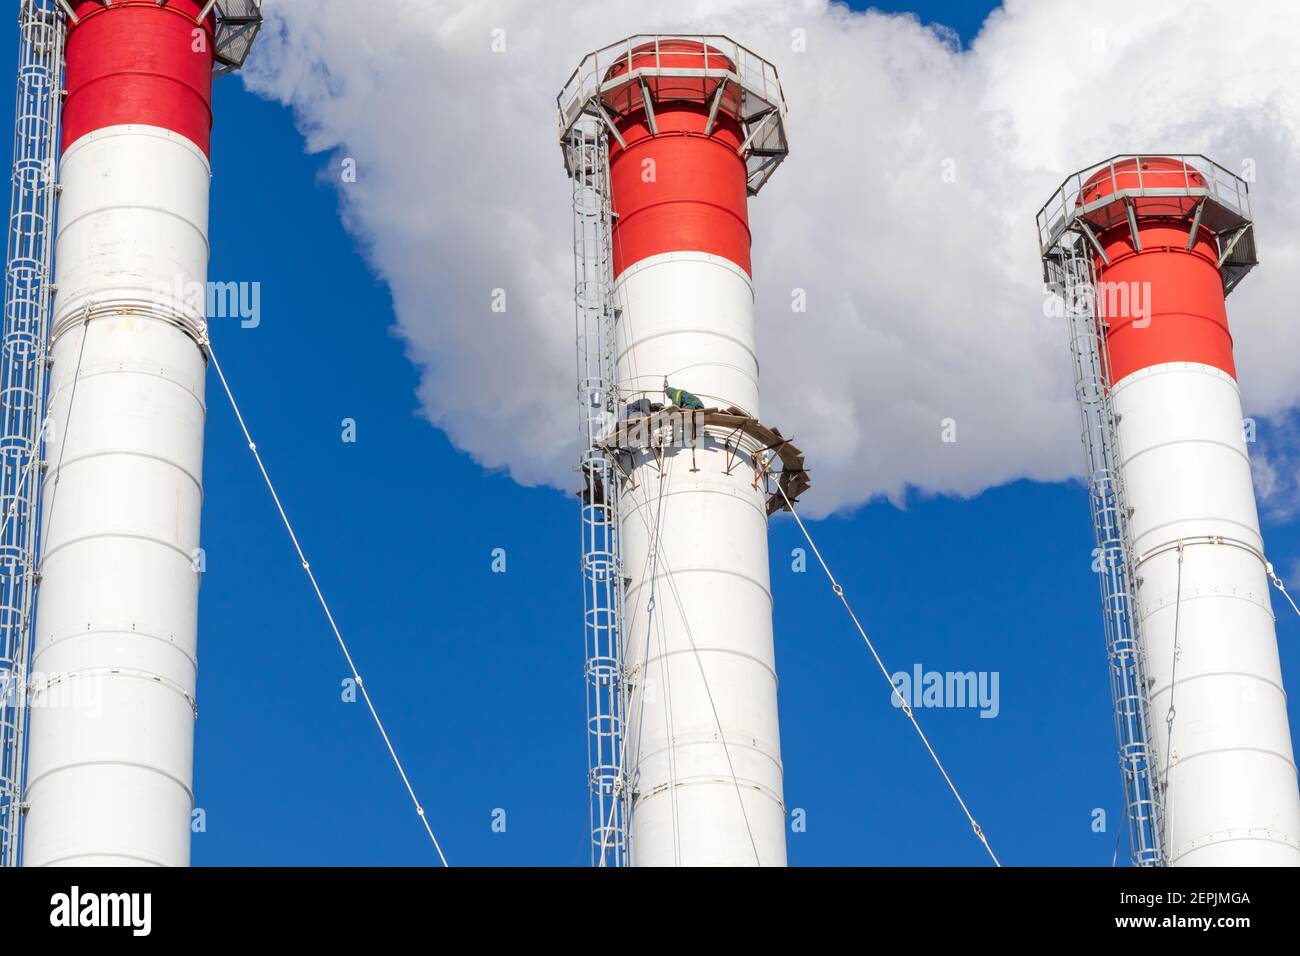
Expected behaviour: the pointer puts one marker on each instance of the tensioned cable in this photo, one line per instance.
(722, 738)
(906, 707)
(18, 489)
(1277, 583)
(655, 627)
(1173, 689)
(320, 596)
(681, 608)
(708, 691)
(67, 427)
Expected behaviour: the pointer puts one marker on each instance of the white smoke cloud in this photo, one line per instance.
(924, 296)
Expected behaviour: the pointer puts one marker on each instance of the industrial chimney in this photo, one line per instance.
(113, 670)
(665, 138)
(1145, 249)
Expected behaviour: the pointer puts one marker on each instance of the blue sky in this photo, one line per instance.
(478, 675)
(965, 19)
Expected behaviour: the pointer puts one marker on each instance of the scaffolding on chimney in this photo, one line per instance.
(23, 379)
(602, 570)
(1069, 273)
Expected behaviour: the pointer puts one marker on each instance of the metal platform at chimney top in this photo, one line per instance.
(722, 75)
(1209, 196)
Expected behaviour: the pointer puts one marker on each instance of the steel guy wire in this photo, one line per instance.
(722, 737)
(320, 597)
(708, 691)
(905, 706)
(1173, 689)
(660, 558)
(67, 427)
(1277, 583)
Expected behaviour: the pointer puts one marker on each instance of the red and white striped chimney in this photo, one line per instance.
(1222, 742)
(704, 753)
(113, 708)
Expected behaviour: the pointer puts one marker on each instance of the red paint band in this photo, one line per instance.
(1164, 303)
(678, 190)
(136, 62)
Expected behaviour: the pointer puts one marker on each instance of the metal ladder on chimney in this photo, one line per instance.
(602, 567)
(23, 377)
(1071, 275)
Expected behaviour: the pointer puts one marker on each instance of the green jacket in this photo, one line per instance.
(682, 398)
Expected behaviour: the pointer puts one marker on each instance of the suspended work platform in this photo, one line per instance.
(739, 432)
